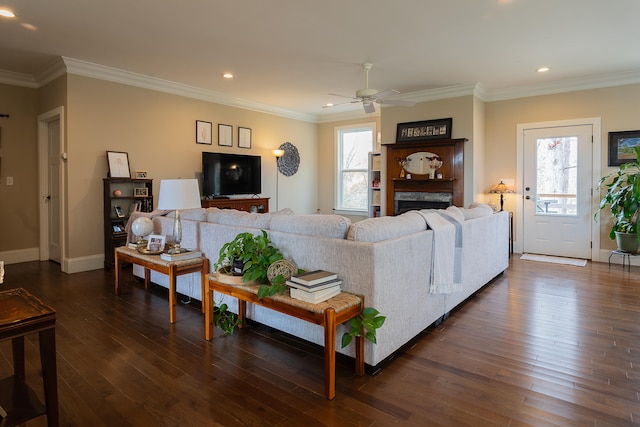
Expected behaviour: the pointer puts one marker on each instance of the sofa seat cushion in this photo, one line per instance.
(386, 227)
(332, 226)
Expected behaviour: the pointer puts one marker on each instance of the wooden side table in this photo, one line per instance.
(173, 269)
(327, 314)
(21, 314)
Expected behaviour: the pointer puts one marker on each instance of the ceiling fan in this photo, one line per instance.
(370, 96)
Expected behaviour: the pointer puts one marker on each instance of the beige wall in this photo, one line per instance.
(461, 109)
(617, 107)
(157, 131)
(19, 229)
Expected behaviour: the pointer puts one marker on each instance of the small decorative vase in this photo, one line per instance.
(401, 173)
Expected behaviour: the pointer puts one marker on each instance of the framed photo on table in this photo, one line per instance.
(203, 132)
(225, 135)
(244, 137)
(621, 146)
(155, 242)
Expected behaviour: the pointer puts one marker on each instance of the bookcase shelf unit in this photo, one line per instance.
(375, 184)
(118, 208)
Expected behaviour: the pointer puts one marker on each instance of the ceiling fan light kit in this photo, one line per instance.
(369, 96)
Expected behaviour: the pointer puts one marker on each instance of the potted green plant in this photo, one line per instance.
(622, 197)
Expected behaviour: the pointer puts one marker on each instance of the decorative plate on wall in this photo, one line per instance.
(290, 160)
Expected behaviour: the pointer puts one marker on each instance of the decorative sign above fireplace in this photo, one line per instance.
(427, 129)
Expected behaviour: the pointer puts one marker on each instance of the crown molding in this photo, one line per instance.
(348, 115)
(65, 65)
(101, 72)
(17, 79)
(572, 85)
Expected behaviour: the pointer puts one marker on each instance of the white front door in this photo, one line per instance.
(557, 209)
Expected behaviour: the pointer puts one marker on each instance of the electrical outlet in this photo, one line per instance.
(9, 180)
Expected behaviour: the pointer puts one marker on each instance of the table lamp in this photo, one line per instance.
(176, 194)
(501, 188)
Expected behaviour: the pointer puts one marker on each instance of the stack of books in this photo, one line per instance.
(314, 286)
(181, 256)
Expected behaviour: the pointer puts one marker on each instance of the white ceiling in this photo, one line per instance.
(291, 54)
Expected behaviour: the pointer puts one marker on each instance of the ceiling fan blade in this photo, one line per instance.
(368, 107)
(355, 101)
(344, 96)
(387, 92)
(397, 102)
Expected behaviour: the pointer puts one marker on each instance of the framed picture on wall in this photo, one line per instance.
(225, 135)
(621, 146)
(424, 130)
(244, 137)
(203, 132)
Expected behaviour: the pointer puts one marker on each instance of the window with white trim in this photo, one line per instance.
(353, 146)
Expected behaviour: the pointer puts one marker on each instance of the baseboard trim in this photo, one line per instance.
(616, 259)
(80, 264)
(20, 255)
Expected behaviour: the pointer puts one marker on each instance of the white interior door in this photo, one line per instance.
(557, 188)
(54, 191)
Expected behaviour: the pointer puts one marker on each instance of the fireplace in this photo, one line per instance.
(411, 200)
(418, 191)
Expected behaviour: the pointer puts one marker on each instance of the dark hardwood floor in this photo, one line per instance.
(543, 344)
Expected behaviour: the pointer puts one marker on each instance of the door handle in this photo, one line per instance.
(527, 197)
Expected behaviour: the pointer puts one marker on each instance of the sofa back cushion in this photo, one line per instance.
(197, 214)
(332, 226)
(238, 218)
(477, 210)
(386, 227)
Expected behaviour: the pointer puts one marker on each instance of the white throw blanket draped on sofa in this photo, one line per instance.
(446, 263)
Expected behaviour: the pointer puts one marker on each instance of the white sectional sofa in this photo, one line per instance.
(389, 260)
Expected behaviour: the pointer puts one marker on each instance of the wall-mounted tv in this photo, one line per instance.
(226, 174)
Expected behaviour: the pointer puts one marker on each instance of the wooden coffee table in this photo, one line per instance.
(20, 314)
(327, 314)
(173, 269)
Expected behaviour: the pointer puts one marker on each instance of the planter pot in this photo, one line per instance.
(225, 276)
(627, 242)
(236, 267)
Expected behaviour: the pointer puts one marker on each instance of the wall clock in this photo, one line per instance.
(290, 160)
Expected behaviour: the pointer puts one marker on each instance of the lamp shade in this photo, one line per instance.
(501, 188)
(179, 194)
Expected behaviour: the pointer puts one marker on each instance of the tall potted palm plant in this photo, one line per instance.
(622, 197)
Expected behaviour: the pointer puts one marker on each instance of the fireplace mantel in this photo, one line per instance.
(450, 151)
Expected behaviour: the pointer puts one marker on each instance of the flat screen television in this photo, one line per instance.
(226, 174)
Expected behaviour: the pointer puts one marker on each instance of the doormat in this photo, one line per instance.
(555, 259)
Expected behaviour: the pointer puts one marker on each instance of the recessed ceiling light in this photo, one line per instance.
(7, 13)
(330, 104)
(543, 69)
(227, 75)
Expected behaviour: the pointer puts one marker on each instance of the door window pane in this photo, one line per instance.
(557, 176)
